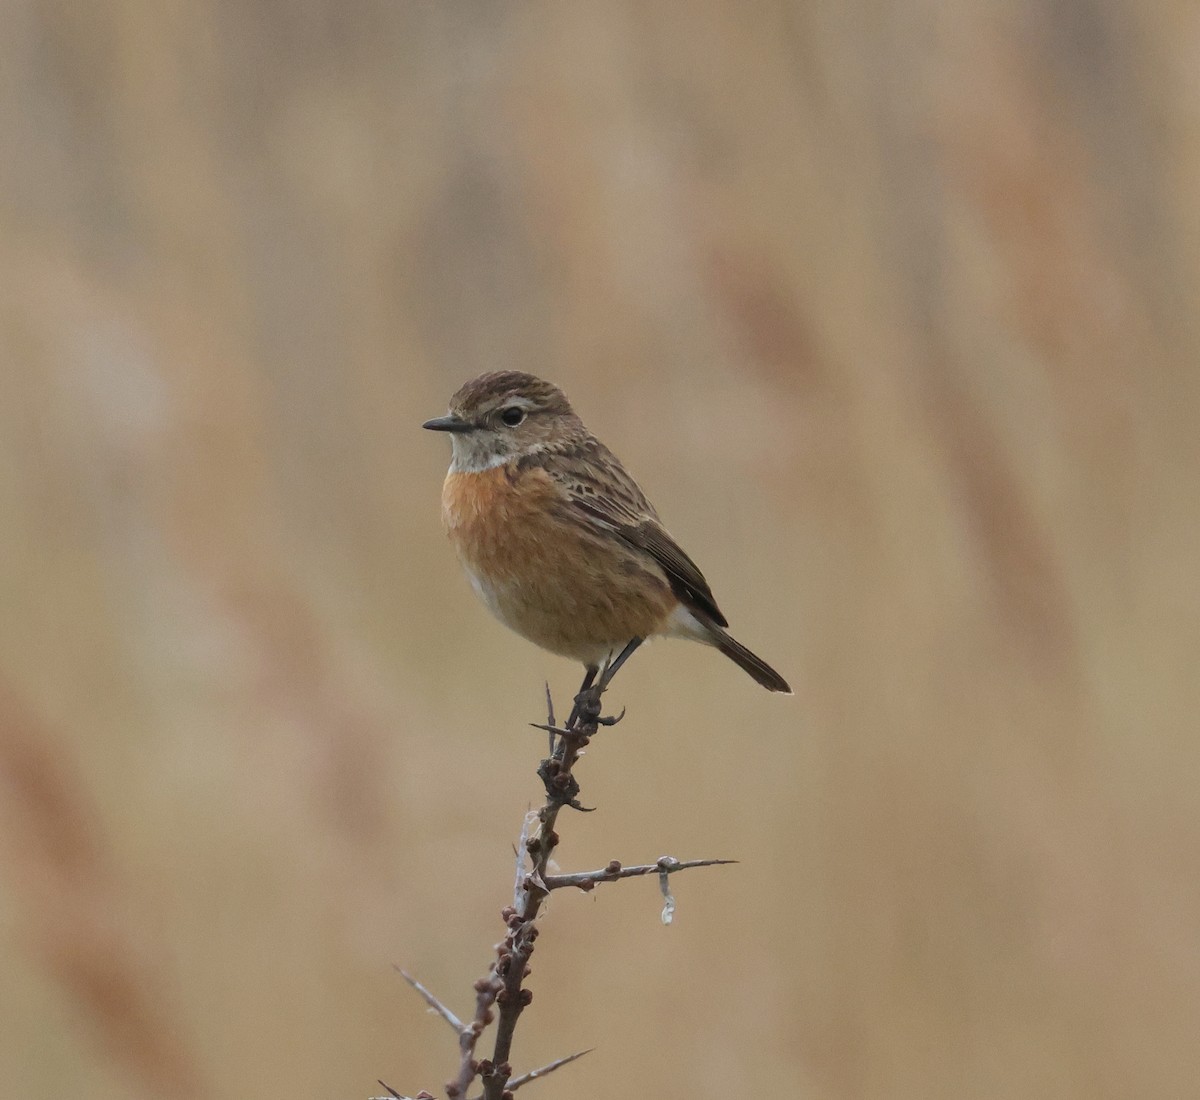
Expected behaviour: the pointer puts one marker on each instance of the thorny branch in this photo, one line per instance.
(586, 880)
(500, 995)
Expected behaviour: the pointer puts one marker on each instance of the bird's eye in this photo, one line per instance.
(513, 415)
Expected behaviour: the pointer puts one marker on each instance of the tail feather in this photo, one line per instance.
(762, 672)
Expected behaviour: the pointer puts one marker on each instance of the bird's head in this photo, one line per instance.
(506, 415)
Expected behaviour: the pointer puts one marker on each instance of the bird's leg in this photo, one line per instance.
(585, 713)
(611, 670)
(550, 723)
(555, 771)
(583, 696)
(583, 699)
(590, 708)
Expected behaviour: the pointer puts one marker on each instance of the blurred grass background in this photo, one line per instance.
(891, 308)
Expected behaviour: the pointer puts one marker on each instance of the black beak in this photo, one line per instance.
(449, 423)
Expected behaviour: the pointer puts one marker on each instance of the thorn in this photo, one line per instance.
(433, 1003)
(614, 870)
(550, 1067)
(552, 730)
(550, 715)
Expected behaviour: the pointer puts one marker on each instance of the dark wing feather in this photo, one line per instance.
(598, 487)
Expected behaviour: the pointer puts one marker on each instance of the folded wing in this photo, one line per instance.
(602, 493)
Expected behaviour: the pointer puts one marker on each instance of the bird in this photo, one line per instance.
(559, 541)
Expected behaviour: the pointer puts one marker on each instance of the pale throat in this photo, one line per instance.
(476, 463)
(468, 459)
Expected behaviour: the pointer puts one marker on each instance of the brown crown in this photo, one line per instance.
(491, 389)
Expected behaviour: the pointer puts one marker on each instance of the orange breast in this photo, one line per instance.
(567, 586)
(496, 520)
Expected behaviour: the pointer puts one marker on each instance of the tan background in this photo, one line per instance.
(892, 309)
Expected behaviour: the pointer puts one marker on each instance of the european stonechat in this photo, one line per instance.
(558, 540)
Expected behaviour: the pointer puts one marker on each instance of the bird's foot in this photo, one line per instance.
(586, 712)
